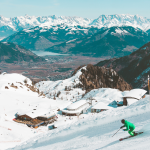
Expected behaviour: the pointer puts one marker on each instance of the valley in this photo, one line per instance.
(55, 68)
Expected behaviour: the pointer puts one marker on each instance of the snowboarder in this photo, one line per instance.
(129, 127)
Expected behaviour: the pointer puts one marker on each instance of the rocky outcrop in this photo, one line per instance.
(100, 77)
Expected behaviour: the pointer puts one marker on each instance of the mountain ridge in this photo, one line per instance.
(24, 22)
(108, 42)
(39, 38)
(134, 68)
(11, 53)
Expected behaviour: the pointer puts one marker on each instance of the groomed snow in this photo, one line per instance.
(95, 131)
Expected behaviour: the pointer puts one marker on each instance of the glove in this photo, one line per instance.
(124, 129)
(121, 127)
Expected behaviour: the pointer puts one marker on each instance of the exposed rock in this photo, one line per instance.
(12, 85)
(100, 77)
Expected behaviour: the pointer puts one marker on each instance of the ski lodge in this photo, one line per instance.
(37, 121)
(133, 96)
(76, 108)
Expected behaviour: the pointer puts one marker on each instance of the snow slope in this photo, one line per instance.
(66, 88)
(23, 101)
(95, 131)
(88, 131)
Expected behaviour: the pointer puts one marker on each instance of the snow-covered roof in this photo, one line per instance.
(101, 105)
(105, 100)
(131, 101)
(36, 113)
(71, 112)
(77, 104)
(78, 111)
(48, 115)
(135, 93)
(105, 93)
(40, 112)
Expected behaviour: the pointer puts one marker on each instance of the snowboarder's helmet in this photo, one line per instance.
(123, 121)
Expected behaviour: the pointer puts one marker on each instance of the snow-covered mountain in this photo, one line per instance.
(122, 20)
(11, 25)
(40, 38)
(23, 22)
(108, 42)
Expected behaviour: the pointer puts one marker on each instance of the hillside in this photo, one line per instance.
(83, 81)
(134, 68)
(11, 53)
(19, 95)
(40, 38)
(108, 42)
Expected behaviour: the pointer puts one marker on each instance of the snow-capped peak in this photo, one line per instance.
(122, 20)
(102, 21)
(25, 22)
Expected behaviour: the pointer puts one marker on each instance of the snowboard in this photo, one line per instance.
(135, 134)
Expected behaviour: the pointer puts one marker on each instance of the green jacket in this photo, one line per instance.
(129, 125)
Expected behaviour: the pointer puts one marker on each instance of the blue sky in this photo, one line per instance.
(82, 8)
